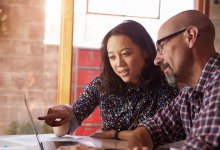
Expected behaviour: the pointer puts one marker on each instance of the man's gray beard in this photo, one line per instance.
(172, 79)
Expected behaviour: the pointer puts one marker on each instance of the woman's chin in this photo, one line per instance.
(126, 80)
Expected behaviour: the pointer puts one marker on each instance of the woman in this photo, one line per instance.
(128, 90)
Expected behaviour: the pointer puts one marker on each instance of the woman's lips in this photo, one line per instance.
(123, 72)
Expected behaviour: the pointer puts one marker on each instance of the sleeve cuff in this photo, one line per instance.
(73, 125)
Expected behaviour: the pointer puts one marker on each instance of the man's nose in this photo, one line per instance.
(158, 59)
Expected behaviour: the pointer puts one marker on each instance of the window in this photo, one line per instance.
(143, 8)
(94, 18)
(52, 21)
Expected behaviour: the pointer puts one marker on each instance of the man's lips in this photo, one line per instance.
(163, 67)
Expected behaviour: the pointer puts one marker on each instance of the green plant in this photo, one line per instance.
(16, 128)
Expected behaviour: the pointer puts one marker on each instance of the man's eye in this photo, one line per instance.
(160, 47)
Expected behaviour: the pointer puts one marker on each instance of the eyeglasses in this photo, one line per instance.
(160, 47)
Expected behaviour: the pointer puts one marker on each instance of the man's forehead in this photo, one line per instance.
(167, 28)
(162, 33)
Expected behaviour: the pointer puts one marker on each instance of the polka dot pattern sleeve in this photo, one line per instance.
(87, 102)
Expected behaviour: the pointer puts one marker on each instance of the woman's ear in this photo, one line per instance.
(145, 54)
(192, 35)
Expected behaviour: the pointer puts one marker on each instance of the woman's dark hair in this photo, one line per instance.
(112, 83)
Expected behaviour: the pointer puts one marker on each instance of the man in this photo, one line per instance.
(186, 54)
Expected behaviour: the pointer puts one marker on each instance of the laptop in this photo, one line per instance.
(45, 145)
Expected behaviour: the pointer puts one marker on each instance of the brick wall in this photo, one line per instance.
(26, 64)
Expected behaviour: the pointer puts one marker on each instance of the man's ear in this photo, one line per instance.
(192, 34)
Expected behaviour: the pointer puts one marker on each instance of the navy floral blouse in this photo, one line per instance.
(125, 111)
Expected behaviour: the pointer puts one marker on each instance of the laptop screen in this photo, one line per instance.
(45, 145)
(32, 122)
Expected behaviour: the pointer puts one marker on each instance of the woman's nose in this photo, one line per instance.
(119, 62)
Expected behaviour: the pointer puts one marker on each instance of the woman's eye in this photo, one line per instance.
(111, 57)
(126, 54)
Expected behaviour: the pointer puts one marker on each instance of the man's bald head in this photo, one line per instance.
(186, 19)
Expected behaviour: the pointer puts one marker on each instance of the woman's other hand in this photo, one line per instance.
(78, 147)
(108, 134)
(122, 135)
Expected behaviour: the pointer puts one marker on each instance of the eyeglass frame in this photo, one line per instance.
(159, 48)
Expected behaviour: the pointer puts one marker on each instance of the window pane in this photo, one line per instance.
(138, 8)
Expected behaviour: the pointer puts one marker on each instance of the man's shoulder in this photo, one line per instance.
(215, 75)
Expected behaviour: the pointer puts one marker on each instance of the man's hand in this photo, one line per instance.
(58, 115)
(140, 139)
